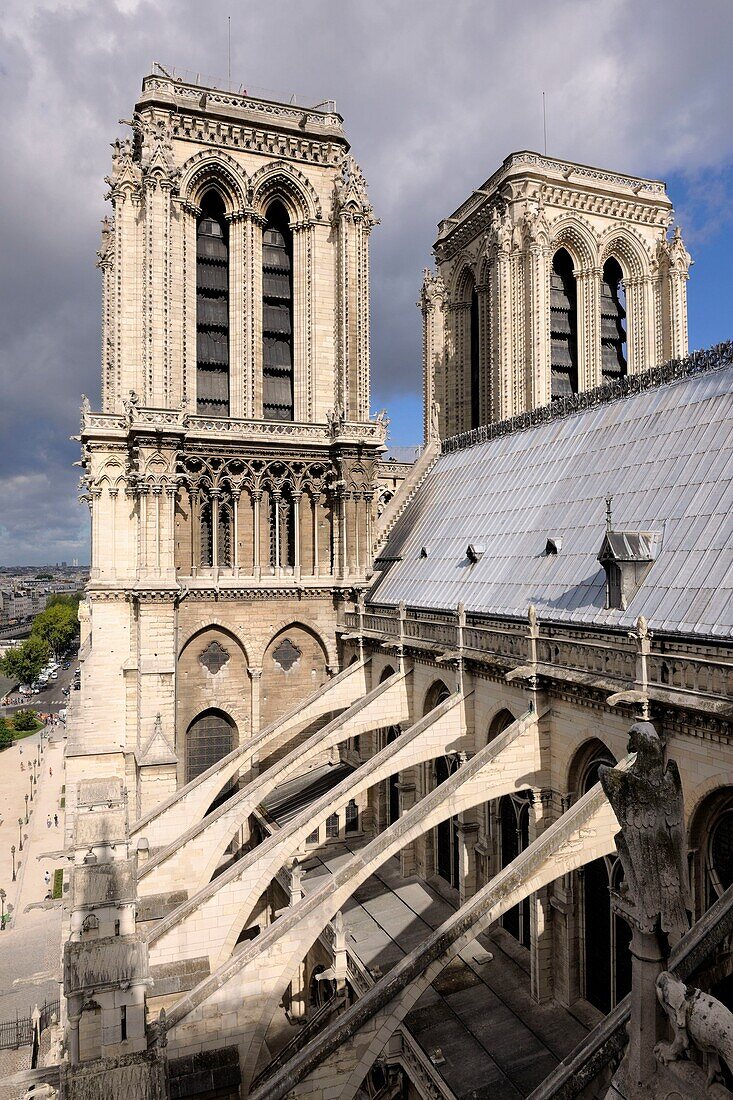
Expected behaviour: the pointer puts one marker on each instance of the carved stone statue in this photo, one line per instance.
(647, 800)
(434, 420)
(697, 1020)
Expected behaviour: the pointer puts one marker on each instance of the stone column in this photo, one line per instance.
(316, 501)
(73, 1021)
(648, 1023)
(540, 909)
(500, 364)
(255, 675)
(214, 496)
(467, 836)
(195, 514)
(276, 498)
(238, 286)
(588, 284)
(236, 494)
(296, 533)
(256, 498)
(408, 797)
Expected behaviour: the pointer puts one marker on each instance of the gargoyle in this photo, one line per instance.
(697, 1020)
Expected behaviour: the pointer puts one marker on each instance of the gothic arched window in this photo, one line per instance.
(613, 322)
(207, 535)
(225, 534)
(448, 839)
(212, 309)
(563, 326)
(210, 737)
(514, 837)
(606, 936)
(277, 316)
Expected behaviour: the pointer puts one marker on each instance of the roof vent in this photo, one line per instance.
(627, 557)
(553, 544)
(424, 550)
(475, 551)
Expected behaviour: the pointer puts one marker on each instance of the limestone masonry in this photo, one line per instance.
(334, 819)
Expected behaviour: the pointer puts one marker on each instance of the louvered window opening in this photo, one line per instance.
(224, 536)
(613, 322)
(212, 310)
(563, 327)
(207, 539)
(277, 318)
(475, 373)
(284, 540)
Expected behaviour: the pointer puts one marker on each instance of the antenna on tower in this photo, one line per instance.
(229, 35)
(544, 120)
(609, 503)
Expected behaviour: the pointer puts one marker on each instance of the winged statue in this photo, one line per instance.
(648, 802)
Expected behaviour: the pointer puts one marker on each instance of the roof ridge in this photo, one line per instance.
(697, 362)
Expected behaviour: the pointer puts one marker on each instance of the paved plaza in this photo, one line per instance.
(30, 961)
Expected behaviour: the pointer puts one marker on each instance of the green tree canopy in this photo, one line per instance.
(24, 662)
(25, 720)
(58, 624)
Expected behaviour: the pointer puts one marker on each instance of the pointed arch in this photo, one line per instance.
(218, 171)
(280, 180)
(621, 244)
(577, 238)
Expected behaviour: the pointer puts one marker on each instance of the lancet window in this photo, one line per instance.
(217, 531)
(613, 322)
(514, 835)
(277, 316)
(475, 365)
(563, 326)
(606, 936)
(212, 309)
(282, 529)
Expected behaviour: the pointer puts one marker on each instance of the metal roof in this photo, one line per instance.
(666, 457)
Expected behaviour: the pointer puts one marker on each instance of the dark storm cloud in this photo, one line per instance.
(435, 94)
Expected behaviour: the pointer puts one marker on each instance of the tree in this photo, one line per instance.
(58, 624)
(25, 720)
(24, 662)
(6, 734)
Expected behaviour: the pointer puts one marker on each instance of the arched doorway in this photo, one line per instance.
(605, 936)
(711, 841)
(447, 852)
(513, 839)
(211, 736)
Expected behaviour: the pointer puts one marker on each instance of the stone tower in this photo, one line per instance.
(230, 471)
(552, 278)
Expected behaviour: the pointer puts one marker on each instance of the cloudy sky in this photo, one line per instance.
(435, 93)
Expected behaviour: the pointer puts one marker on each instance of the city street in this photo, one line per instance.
(52, 699)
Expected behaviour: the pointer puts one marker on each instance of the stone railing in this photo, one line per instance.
(191, 90)
(613, 660)
(138, 418)
(605, 1044)
(699, 362)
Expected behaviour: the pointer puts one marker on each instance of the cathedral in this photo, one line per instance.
(342, 783)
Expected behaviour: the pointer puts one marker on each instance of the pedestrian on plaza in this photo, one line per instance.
(50, 771)
(21, 749)
(22, 766)
(48, 822)
(56, 820)
(47, 877)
